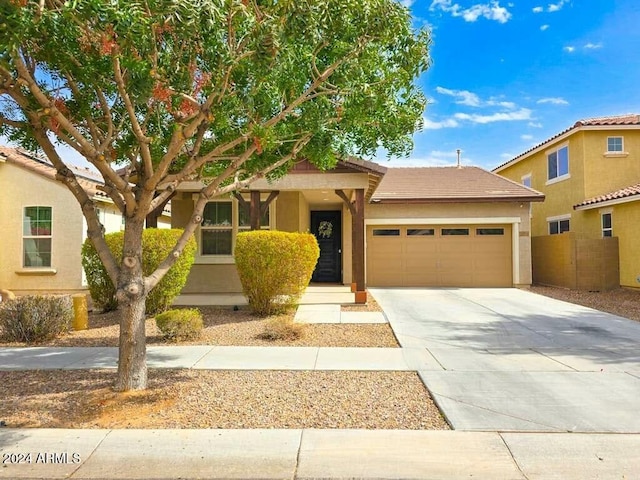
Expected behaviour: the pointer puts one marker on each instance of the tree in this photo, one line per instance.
(156, 92)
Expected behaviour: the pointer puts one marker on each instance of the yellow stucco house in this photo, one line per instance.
(376, 226)
(590, 175)
(43, 227)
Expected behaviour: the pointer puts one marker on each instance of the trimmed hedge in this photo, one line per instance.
(156, 245)
(180, 324)
(36, 318)
(275, 267)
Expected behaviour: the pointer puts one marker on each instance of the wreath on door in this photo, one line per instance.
(325, 229)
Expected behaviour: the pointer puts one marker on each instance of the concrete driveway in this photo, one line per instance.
(512, 360)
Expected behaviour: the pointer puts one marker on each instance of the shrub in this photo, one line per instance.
(282, 328)
(180, 324)
(274, 268)
(156, 245)
(36, 318)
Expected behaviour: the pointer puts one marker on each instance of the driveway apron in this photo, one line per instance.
(512, 360)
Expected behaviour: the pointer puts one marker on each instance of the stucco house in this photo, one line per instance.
(42, 225)
(585, 234)
(376, 226)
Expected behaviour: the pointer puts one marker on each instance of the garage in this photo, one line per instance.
(425, 255)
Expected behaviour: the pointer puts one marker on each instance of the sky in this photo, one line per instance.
(506, 76)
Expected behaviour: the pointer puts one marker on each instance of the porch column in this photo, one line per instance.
(357, 243)
(357, 247)
(254, 210)
(152, 218)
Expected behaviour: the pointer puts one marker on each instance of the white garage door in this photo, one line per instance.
(439, 256)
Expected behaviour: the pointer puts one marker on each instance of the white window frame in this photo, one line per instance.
(558, 177)
(34, 237)
(602, 227)
(558, 219)
(621, 144)
(525, 178)
(235, 229)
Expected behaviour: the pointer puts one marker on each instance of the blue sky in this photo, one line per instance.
(506, 76)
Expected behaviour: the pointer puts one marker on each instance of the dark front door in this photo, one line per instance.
(326, 226)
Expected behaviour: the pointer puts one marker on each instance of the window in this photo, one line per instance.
(217, 228)
(526, 180)
(221, 222)
(558, 226)
(489, 231)
(455, 231)
(36, 237)
(607, 226)
(614, 145)
(414, 232)
(558, 163)
(386, 232)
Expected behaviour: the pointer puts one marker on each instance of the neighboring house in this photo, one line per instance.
(445, 226)
(590, 175)
(43, 227)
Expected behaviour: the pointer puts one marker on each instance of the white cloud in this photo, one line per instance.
(554, 7)
(553, 101)
(495, 103)
(407, 3)
(464, 97)
(592, 46)
(534, 124)
(544, 27)
(526, 137)
(569, 49)
(433, 125)
(521, 114)
(432, 159)
(538, 9)
(490, 11)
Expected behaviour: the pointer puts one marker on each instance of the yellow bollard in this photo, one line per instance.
(80, 312)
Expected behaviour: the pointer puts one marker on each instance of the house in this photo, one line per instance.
(585, 234)
(43, 227)
(403, 227)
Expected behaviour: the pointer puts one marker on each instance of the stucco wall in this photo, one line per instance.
(626, 226)
(21, 188)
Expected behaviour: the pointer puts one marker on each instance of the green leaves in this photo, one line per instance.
(265, 72)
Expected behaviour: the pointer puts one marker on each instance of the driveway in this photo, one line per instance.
(512, 360)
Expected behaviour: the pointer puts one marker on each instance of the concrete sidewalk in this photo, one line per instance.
(306, 454)
(223, 358)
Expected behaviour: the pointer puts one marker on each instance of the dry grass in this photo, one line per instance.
(624, 302)
(219, 399)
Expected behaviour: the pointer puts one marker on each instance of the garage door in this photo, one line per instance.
(439, 256)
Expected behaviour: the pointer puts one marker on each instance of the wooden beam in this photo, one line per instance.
(357, 246)
(242, 202)
(254, 210)
(152, 217)
(265, 205)
(346, 200)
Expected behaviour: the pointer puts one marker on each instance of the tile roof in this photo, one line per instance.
(42, 166)
(629, 119)
(449, 184)
(632, 191)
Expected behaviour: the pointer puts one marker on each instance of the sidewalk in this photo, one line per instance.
(306, 454)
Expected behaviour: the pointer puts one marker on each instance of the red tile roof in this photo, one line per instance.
(42, 166)
(629, 119)
(632, 191)
(449, 184)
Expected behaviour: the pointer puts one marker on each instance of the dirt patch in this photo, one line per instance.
(624, 302)
(219, 399)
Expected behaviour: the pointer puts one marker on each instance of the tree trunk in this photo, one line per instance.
(131, 294)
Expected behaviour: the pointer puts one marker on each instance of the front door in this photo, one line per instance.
(326, 226)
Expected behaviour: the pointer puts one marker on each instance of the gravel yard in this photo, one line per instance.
(224, 326)
(624, 302)
(219, 399)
